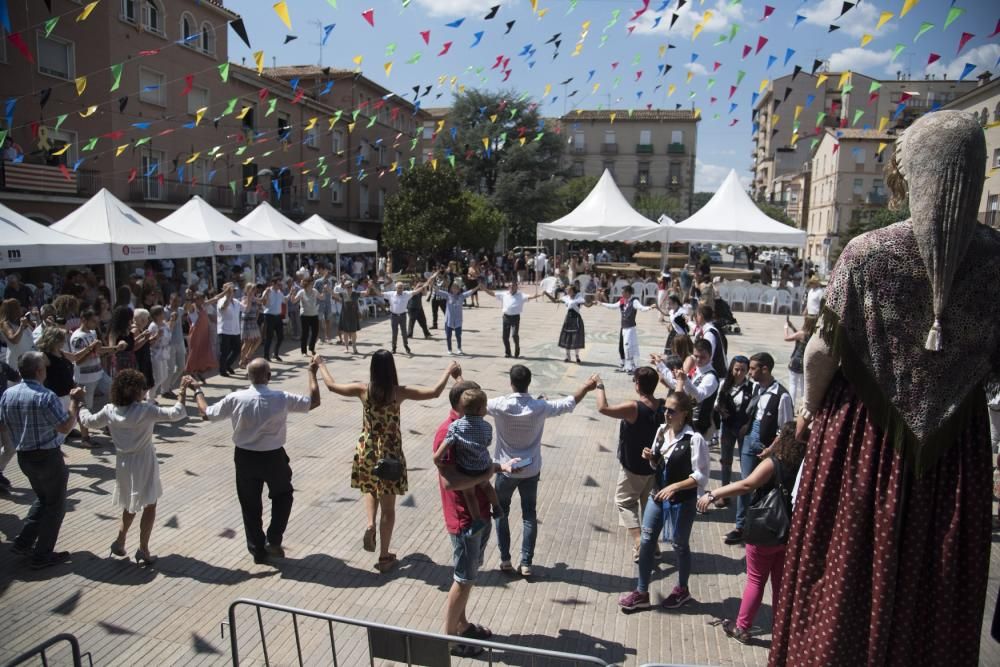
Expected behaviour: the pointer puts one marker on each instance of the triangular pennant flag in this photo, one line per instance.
(43, 99)
(116, 76)
(865, 39)
(816, 65)
(788, 56)
(798, 19)
(933, 58)
(224, 72)
(761, 41)
(281, 9)
(883, 18)
(953, 14)
(50, 25)
(122, 103)
(83, 15)
(369, 15)
(290, 38)
(963, 40)
(896, 51)
(967, 70)
(833, 27)
(81, 85)
(907, 6)
(258, 58)
(924, 27)
(240, 30)
(188, 84)
(19, 44)
(846, 7)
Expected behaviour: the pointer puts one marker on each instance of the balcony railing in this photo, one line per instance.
(177, 192)
(49, 180)
(609, 149)
(644, 148)
(579, 149)
(642, 181)
(876, 198)
(675, 149)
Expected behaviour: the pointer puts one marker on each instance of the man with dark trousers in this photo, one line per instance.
(415, 309)
(274, 326)
(259, 417)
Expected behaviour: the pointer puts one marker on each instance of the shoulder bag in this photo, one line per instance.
(770, 518)
(387, 468)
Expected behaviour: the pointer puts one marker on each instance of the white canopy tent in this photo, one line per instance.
(25, 243)
(295, 238)
(346, 241)
(604, 215)
(730, 216)
(199, 220)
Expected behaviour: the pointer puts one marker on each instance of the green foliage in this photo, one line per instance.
(428, 212)
(653, 206)
(571, 194)
(484, 224)
(698, 200)
(775, 212)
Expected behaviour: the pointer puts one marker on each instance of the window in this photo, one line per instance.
(189, 34)
(152, 87)
(311, 138)
(312, 189)
(57, 140)
(645, 137)
(152, 17)
(859, 188)
(576, 169)
(399, 159)
(128, 11)
(197, 176)
(677, 136)
(337, 192)
(642, 178)
(249, 121)
(284, 127)
(207, 39)
(984, 117)
(56, 57)
(996, 113)
(363, 201)
(429, 130)
(197, 99)
(992, 204)
(859, 157)
(363, 150)
(609, 137)
(152, 163)
(381, 156)
(338, 142)
(996, 158)
(878, 186)
(579, 142)
(609, 166)
(674, 177)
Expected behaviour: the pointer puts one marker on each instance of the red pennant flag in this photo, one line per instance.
(426, 34)
(188, 84)
(114, 136)
(872, 98)
(904, 97)
(497, 63)
(35, 128)
(768, 10)
(506, 75)
(169, 130)
(132, 174)
(712, 100)
(732, 91)
(761, 41)
(394, 113)
(614, 66)
(746, 50)
(733, 122)
(649, 107)
(379, 104)
(362, 105)
(444, 49)
(933, 58)
(506, 62)
(369, 15)
(836, 147)
(146, 54)
(262, 94)
(716, 66)
(64, 170)
(160, 179)
(963, 40)
(996, 30)
(299, 94)
(18, 42)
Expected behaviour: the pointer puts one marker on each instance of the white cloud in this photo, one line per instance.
(697, 68)
(983, 57)
(863, 61)
(708, 177)
(459, 8)
(859, 20)
(723, 15)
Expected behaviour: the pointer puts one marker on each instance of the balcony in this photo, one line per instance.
(609, 149)
(579, 150)
(876, 198)
(372, 213)
(173, 192)
(674, 183)
(644, 149)
(642, 180)
(49, 180)
(675, 149)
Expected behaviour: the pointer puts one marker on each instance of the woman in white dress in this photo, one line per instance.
(137, 474)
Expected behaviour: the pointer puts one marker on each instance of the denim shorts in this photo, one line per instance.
(468, 552)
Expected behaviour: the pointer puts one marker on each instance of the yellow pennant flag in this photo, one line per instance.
(248, 181)
(865, 39)
(798, 110)
(454, 80)
(795, 138)
(822, 78)
(439, 127)
(883, 19)
(774, 120)
(350, 127)
(493, 118)
(707, 16)
(522, 140)
(697, 30)
(434, 164)
(89, 112)
(66, 148)
(199, 114)
(81, 85)
(243, 113)
(534, 5)
(689, 75)
(697, 111)
(121, 149)
(281, 9)
(613, 116)
(248, 160)
(388, 68)
(907, 6)
(663, 50)
(844, 78)
(486, 143)
(578, 49)
(596, 86)
(392, 167)
(882, 122)
(881, 146)
(548, 88)
(330, 122)
(763, 85)
(357, 60)
(193, 158)
(670, 89)
(82, 16)
(258, 58)
(312, 123)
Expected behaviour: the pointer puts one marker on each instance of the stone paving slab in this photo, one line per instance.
(170, 614)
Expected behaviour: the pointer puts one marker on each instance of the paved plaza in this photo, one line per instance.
(171, 614)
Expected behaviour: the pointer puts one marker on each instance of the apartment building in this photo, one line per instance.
(984, 103)
(794, 110)
(792, 192)
(163, 116)
(848, 183)
(649, 152)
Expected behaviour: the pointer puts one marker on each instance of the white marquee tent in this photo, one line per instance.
(730, 216)
(267, 221)
(346, 241)
(25, 243)
(199, 220)
(105, 219)
(604, 215)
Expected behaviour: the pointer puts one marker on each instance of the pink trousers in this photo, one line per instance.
(762, 563)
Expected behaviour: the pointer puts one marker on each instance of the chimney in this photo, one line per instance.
(984, 78)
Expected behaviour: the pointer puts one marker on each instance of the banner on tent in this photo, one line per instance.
(230, 248)
(137, 251)
(295, 245)
(12, 256)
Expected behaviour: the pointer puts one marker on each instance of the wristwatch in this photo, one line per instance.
(599, 386)
(711, 496)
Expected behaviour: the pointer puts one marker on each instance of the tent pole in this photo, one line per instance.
(215, 273)
(253, 267)
(338, 264)
(284, 266)
(189, 270)
(109, 278)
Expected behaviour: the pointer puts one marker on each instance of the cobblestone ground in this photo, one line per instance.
(171, 614)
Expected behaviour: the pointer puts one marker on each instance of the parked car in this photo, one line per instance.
(715, 257)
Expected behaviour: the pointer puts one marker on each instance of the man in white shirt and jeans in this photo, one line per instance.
(229, 326)
(511, 304)
(259, 416)
(520, 420)
(399, 300)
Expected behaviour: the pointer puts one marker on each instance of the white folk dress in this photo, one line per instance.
(137, 472)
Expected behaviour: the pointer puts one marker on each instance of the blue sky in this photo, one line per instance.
(623, 55)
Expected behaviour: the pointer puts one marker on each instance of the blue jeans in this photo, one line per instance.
(752, 446)
(458, 336)
(678, 518)
(467, 554)
(48, 475)
(527, 488)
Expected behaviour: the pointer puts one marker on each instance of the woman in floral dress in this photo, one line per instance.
(381, 437)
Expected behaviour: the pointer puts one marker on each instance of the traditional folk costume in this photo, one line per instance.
(628, 339)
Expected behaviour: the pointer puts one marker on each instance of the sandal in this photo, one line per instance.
(466, 651)
(736, 632)
(386, 563)
(477, 632)
(368, 541)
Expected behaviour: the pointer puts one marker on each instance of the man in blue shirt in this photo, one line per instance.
(36, 424)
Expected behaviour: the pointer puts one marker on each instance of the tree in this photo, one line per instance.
(427, 213)
(699, 199)
(484, 224)
(775, 212)
(653, 206)
(571, 194)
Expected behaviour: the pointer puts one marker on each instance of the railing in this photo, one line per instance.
(48, 179)
(609, 149)
(644, 148)
(579, 150)
(675, 149)
(385, 642)
(878, 198)
(178, 192)
(40, 651)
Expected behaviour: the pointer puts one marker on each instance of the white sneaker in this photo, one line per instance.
(461, 354)
(450, 353)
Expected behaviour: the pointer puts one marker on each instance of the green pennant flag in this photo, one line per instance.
(390, 49)
(354, 115)
(711, 82)
(813, 143)
(539, 136)
(819, 118)
(847, 88)
(326, 182)
(322, 171)
(215, 149)
(414, 58)
(451, 159)
(336, 116)
(875, 86)
(412, 160)
(858, 113)
(739, 76)
(230, 106)
(637, 59)
(267, 153)
(795, 127)
(224, 72)
(732, 31)
(60, 120)
(924, 27)
(523, 97)
(50, 25)
(953, 14)
(116, 75)
(896, 51)
(144, 140)
(240, 150)
(90, 144)
(271, 104)
(372, 121)
(721, 40)
(616, 82)
(3, 137)
(232, 186)
(413, 144)
(630, 112)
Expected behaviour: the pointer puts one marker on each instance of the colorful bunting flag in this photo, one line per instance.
(83, 15)
(281, 9)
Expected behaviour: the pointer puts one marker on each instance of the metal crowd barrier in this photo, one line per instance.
(40, 652)
(388, 642)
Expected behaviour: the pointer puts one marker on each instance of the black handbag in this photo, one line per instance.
(388, 469)
(769, 518)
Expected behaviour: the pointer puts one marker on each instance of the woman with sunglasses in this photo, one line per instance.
(679, 457)
(732, 403)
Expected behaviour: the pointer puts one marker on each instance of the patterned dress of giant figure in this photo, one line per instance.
(889, 550)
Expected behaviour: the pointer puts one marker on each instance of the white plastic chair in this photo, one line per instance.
(753, 295)
(784, 300)
(738, 295)
(616, 289)
(768, 300)
(649, 295)
(639, 289)
(725, 291)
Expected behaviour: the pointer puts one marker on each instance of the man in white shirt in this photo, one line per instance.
(229, 327)
(259, 417)
(273, 299)
(814, 297)
(703, 387)
(178, 351)
(520, 420)
(399, 301)
(541, 260)
(88, 371)
(704, 318)
(511, 304)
